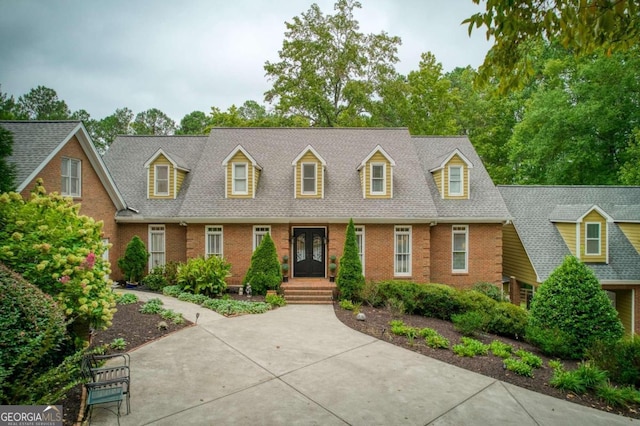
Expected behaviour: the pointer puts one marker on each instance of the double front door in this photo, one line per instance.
(309, 252)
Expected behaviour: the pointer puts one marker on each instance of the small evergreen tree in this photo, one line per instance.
(350, 279)
(264, 273)
(134, 260)
(570, 312)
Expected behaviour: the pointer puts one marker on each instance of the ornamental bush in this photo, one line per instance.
(134, 261)
(59, 251)
(33, 336)
(572, 306)
(264, 273)
(204, 276)
(350, 280)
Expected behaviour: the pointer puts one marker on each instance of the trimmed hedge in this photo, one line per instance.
(32, 339)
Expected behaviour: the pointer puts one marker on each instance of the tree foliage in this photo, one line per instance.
(264, 272)
(194, 123)
(8, 107)
(106, 129)
(42, 103)
(329, 71)
(350, 279)
(58, 250)
(7, 170)
(570, 312)
(584, 27)
(153, 122)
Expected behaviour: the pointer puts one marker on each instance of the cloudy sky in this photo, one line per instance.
(182, 56)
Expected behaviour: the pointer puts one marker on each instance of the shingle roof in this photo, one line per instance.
(533, 208)
(34, 142)
(485, 200)
(202, 196)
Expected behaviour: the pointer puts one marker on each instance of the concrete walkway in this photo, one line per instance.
(299, 365)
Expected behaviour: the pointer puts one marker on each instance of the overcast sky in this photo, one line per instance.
(186, 55)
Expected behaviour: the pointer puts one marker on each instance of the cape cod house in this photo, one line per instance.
(600, 225)
(424, 207)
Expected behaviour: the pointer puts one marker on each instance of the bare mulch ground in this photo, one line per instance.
(377, 325)
(138, 329)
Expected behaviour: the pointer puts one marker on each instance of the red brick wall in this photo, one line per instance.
(485, 255)
(95, 201)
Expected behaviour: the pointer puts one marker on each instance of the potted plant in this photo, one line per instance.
(285, 268)
(332, 268)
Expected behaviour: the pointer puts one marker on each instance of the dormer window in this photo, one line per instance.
(162, 180)
(309, 174)
(455, 181)
(378, 179)
(239, 179)
(592, 239)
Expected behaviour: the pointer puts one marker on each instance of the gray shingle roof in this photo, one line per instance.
(34, 141)
(533, 208)
(202, 196)
(485, 200)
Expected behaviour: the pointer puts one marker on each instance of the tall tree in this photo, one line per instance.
(7, 170)
(8, 107)
(118, 123)
(194, 123)
(153, 122)
(579, 121)
(584, 27)
(42, 103)
(630, 171)
(329, 72)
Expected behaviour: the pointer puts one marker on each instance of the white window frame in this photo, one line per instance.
(403, 230)
(234, 190)
(384, 178)
(461, 192)
(460, 230)
(67, 178)
(259, 231)
(587, 239)
(212, 231)
(105, 254)
(157, 180)
(157, 229)
(303, 179)
(360, 242)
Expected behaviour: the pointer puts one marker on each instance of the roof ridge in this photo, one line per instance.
(309, 128)
(40, 121)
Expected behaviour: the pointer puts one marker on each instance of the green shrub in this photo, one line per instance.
(437, 301)
(350, 279)
(172, 290)
(470, 347)
(572, 301)
(620, 359)
(470, 322)
(348, 305)
(370, 294)
(171, 272)
(264, 272)
(126, 299)
(400, 328)
(472, 300)
(275, 300)
(489, 289)
(170, 315)
(433, 339)
(551, 341)
(198, 299)
(569, 381)
(508, 320)
(519, 367)
(591, 375)
(134, 261)
(204, 276)
(155, 281)
(153, 306)
(556, 365)
(500, 349)
(32, 339)
(118, 344)
(395, 306)
(529, 358)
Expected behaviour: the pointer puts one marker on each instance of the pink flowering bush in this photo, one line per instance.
(60, 251)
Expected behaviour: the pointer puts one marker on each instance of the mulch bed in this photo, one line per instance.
(377, 325)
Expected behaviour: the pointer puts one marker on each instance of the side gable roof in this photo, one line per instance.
(532, 207)
(35, 143)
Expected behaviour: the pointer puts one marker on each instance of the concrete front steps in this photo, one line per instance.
(309, 291)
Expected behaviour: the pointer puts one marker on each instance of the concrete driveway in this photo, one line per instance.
(299, 365)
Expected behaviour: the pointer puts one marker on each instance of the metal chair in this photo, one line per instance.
(106, 384)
